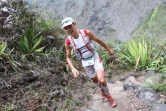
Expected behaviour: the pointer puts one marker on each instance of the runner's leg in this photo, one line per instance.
(102, 81)
(104, 87)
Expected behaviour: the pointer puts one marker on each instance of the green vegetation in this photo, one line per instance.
(153, 25)
(137, 54)
(2, 48)
(155, 84)
(29, 42)
(158, 65)
(159, 87)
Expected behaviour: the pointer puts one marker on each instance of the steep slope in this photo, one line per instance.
(109, 19)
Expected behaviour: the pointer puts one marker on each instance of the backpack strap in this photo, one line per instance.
(85, 37)
(72, 42)
(74, 46)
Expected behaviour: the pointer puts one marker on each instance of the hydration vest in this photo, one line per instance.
(87, 45)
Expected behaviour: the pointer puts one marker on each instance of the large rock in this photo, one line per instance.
(159, 107)
(108, 19)
(5, 16)
(131, 82)
(147, 94)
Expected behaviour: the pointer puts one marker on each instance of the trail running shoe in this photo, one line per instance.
(112, 101)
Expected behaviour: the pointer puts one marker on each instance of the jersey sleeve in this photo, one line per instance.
(86, 32)
(67, 41)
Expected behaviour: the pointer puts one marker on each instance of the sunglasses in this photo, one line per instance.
(68, 27)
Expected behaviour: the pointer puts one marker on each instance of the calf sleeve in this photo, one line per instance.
(105, 89)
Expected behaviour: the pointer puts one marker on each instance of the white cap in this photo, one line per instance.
(67, 21)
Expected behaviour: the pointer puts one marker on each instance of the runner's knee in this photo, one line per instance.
(102, 80)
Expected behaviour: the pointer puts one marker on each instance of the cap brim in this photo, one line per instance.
(66, 24)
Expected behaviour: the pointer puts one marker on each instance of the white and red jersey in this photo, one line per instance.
(83, 46)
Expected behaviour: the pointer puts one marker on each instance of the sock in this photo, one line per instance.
(105, 89)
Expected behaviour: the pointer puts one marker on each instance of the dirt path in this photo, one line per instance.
(118, 93)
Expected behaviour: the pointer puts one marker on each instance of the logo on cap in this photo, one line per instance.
(67, 21)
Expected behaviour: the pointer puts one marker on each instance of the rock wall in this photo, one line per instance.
(108, 19)
(6, 26)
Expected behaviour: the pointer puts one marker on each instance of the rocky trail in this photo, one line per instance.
(129, 95)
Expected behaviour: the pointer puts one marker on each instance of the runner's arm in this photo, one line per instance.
(99, 41)
(69, 61)
(68, 56)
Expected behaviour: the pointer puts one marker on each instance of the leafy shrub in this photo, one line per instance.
(136, 54)
(158, 64)
(29, 42)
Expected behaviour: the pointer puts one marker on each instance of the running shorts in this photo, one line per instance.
(98, 65)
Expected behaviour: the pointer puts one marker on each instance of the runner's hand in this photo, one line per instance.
(111, 52)
(75, 73)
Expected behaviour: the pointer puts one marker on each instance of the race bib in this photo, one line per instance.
(88, 62)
